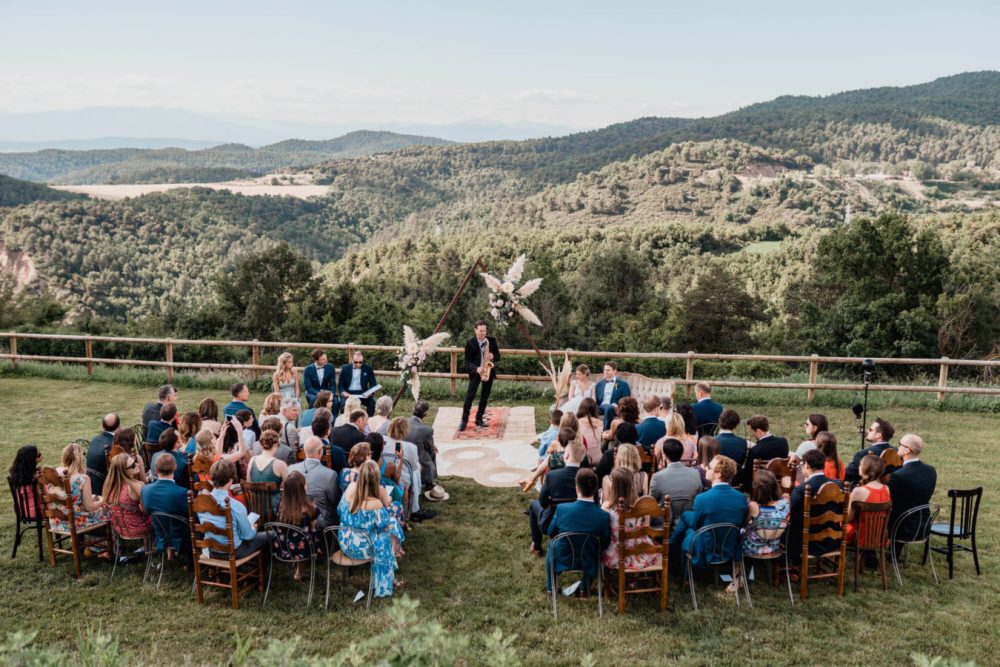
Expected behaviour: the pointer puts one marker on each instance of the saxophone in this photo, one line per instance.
(487, 367)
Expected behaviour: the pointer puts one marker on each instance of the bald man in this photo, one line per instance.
(910, 486)
(322, 485)
(97, 465)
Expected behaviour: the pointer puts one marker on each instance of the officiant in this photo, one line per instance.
(356, 378)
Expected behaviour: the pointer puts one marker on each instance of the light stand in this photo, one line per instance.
(867, 375)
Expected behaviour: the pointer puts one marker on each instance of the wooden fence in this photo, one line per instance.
(690, 358)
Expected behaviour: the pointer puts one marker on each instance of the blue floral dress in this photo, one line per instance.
(83, 518)
(763, 535)
(379, 527)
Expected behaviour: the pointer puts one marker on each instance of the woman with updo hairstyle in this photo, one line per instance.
(627, 458)
(870, 489)
(628, 413)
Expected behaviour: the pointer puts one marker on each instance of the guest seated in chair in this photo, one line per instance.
(706, 410)
(164, 495)
(96, 460)
(813, 462)
(627, 457)
(581, 516)
(369, 531)
(322, 485)
(559, 485)
(675, 480)
(246, 539)
(869, 490)
(911, 486)
(880, 435)
(768, 447)
(720, 504)
(609, 391)
(168, 419)
(298, 510)
(826, 442)
(123, 496)
(730, 444)
(171, 445)
(22, 474)
(88, 508)
(652, 428)
(622, 487)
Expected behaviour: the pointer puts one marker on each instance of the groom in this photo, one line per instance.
(478, 351)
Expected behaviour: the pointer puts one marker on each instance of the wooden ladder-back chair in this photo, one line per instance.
(258, 499)
(823, 522)
(60, 508)
(893, 462)
(871, 525)
(28, 514)
(652, 579)
(236, 575)
(110, 453)
(784, 470)
(140, 432)
(149, 449)
(199, 473)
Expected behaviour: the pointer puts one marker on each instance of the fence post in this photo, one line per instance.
(943, 377)
(350, 352)
(13, 351)
(88, 346)
(170, 360)
(813, 372)
(454, 372)
(255, 358)
(689, 375)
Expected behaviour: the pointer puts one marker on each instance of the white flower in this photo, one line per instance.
(495, 313)
(421, 357)
(499, 303)
(412, 348)
(508, 287)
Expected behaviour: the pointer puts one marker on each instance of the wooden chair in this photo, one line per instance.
(961, 526)
(236, 575)
(826, 525)
(258, 496)
(784, 470)
(646, 459)
(199, 473)
(148, 450)
(61, 509)
(336, 556)
(110, 453)
(871, 525)
(893, 462)
(652, 579)
(28, 514)
(140, 432)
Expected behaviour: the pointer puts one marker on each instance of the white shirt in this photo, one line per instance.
(484, 348)
(355, 379)
(320, 372)
(609, 388)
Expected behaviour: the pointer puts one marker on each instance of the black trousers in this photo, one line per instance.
(470, 395)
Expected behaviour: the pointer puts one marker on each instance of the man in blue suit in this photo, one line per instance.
(319, 376)
(609, 391)
(96, 459)
(582, 516)
(706, 411)
(241, 394)
(165, 495)
(652, 428)
(356, 378)
(730, 444)
(559, 485)
(720, 504)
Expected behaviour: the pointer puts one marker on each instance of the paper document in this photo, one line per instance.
(370, 391)
(252, 518)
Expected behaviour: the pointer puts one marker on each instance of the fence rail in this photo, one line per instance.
(690, 358)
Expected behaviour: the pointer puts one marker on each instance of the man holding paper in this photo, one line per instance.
(358, 379)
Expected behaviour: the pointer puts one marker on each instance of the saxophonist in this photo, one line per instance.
(481, 357)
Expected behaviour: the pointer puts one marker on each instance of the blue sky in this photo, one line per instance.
(581, 64)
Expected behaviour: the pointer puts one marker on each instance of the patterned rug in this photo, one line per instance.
(496, 425)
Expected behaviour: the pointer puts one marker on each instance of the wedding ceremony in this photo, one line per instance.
(340, 334)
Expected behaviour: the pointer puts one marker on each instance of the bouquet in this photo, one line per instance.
(413, 354)
(506, 299)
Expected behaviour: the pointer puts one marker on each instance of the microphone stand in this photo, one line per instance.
(866, 377)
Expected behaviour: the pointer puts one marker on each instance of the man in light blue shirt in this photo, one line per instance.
(246, 539)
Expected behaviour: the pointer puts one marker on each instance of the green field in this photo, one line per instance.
(471, 571)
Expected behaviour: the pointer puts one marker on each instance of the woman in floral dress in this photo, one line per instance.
(297, 510)
(623, 487)
(368, 530)
(88, 509)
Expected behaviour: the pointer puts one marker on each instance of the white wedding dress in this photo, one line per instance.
(576, 396)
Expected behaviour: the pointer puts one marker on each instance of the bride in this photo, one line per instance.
(580, 388)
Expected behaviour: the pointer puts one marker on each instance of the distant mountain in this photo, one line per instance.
(104, 143)
(175, 165)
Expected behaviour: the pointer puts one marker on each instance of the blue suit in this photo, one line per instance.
(733, 446)
(650, 430)
(582, 516)
(707, 411)
(164, 495)
(367, 382)
(720, 504)
(310, 377)
(620, 391)
(234, 406)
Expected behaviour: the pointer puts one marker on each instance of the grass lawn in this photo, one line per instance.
(471, 571)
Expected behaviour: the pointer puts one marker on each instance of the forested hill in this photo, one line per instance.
(14, 192)
(176, 165)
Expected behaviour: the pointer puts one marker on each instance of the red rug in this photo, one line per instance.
(496, 424)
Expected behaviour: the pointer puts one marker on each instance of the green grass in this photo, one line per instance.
(471, 571)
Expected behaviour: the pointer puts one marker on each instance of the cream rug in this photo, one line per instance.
(490, 462)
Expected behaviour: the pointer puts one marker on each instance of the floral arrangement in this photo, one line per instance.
(413, 354)
(508, 300)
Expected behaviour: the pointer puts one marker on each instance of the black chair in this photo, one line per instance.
(28, 513)
(283, 534)
(923, 516)
(961, 526)
(708, 428)
(579, 544)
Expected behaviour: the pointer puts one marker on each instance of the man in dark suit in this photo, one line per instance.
(880, 435)
(168, 419)
(96, 461)
(165, 394)
(479, 351)
(319, 376)
(706, 411)
(347, 435)
(165, 495)
(720, 504)
(812, 472)
(422, 435)
(768, 447)
(652, 427)
(241, 394)
(356, 378)
(730, 444)
(559, 485)
(322, 485)
(609, 391)
(910, 486)
(581, 516)
(321, 429)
